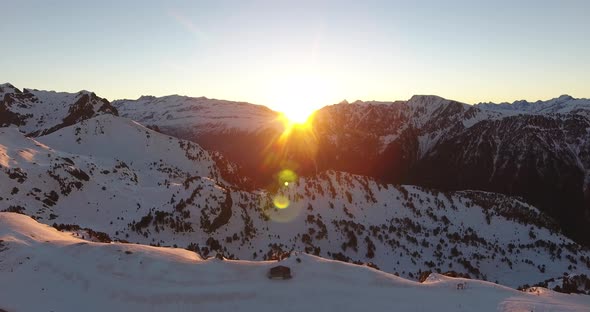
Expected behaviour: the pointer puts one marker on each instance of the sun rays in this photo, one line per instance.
(298, 96)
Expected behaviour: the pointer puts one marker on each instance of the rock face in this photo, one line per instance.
(543, 157)
(38, 113)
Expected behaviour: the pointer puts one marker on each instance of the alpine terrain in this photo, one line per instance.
(179, 202)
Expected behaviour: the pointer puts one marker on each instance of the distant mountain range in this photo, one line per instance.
(540, 150)
(496, 192)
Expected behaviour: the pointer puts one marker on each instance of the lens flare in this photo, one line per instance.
(286, 177)
(271, 207)
(281, 201)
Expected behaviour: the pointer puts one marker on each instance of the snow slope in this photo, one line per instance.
(108, 163)
(42, 269)
(198, 114)
(41, 112)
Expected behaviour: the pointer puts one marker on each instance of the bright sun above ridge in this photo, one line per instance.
(298, 97)
(297, 115)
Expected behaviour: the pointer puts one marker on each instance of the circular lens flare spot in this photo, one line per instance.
(281, 201)
(287, 176)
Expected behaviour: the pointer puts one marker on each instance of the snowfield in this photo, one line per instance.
(202, 114)
(42, 269)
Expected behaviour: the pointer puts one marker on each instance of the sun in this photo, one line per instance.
(298, 97)
(297, 115)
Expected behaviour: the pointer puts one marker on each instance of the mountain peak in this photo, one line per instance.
(428, 102)
(426, 97)
(146, 98)
(565, 97)
(7, 87)
(562, 104)
(82, 92)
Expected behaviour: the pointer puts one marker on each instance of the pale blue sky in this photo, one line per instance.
(244, 50)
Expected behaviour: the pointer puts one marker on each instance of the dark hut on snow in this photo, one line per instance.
(279, 272)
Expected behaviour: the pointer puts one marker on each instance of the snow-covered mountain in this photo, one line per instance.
(540, 150)
(564, 104)
(111, 178)
(41, 112)
(122, 181)
(49, 270)
(199, 115)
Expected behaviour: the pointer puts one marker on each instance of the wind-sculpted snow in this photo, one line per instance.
(43, 269)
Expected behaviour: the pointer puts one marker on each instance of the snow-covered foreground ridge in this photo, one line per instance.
(42, 269)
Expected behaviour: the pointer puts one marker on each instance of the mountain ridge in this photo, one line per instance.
(404, 142)
(122, 181)
(515, 105)
(408, 188)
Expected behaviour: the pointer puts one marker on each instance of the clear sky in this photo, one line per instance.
(271, 51)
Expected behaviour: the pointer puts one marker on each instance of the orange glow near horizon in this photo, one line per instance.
(301, 121)
(297, 97)
(296, 115)
(288, 152)
(296, 143)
